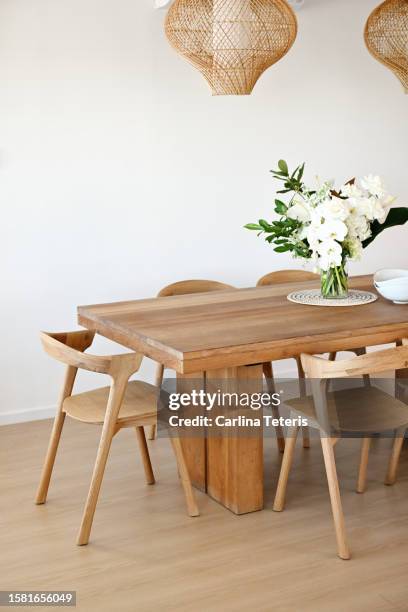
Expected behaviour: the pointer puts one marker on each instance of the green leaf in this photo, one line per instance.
(278, 174)
(280, 207)
(252, 226)
(283, 249)
(396, 216)
(265, 225)
(283, 167)
(292, 176)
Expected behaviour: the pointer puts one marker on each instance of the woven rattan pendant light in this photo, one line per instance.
(386, 36)
(232, 42)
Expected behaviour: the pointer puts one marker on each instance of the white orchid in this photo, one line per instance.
(312, 238)
(330, 254)
(332, 229)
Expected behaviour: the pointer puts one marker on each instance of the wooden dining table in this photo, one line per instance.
(228, 335)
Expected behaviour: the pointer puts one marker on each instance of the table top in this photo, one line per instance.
(206, 331)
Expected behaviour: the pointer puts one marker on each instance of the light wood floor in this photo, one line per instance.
(145, 554)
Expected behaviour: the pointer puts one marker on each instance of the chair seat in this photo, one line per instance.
(139, 404)
(359, 410)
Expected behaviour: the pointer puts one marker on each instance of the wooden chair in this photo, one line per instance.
(123, 404)
(359, 411)
(287, 276)
(183, 288)
(292, 276)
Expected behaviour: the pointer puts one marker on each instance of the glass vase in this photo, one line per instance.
(334, 282)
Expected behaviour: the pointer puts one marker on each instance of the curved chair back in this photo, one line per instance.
(395, 358)
(186, 287)
(69, 347)
(286, 276)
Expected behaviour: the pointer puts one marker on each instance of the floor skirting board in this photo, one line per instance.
(24, 416)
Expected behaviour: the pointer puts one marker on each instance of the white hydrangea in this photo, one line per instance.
(354, 248)
(358, 227)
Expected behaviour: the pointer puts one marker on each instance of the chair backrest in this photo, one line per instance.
(69, 347)
(395, 358)
(186, 287)
(286, 276)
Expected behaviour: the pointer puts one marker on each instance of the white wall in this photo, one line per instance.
(120, 173)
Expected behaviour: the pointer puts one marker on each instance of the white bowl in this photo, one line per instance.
(392, 284)
(389, 274)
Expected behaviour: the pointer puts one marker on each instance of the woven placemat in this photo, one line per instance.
(313, 297)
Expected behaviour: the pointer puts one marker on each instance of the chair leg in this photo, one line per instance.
(108, 431)
(144, 451)
(362, 473)
(268, 373)
(303, 393)
(158, 382)
(306, 437)
(152, 432)
(394, 459)
(287, 461)
(42, 490)
(192, 508)
(280, 438)
(97, 476)
(331, 472)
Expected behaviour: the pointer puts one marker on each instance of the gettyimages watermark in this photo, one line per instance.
(229, 407)
(229, 403)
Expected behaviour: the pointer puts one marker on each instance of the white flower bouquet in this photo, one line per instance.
(329, 226)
